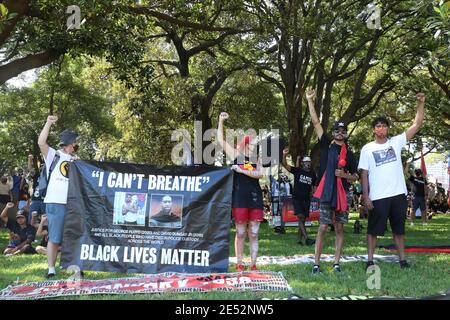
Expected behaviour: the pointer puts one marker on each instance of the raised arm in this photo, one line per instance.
(284, 161)
(229, 150)
(4, 214)
(42, 141)
(310, 96)
(41, 225)
(30, 167)
(417, 124)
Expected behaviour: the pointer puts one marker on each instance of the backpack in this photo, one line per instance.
(43, 179)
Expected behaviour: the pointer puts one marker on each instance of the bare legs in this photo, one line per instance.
(339, 230)
(301, 228)
(371, 245)
(52, 253)
(239, 241)
(253, 237)
(242, 229)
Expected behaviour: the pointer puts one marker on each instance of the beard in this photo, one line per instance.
(339, 137)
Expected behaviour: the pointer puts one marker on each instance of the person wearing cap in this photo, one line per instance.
(22, 234)
(247, 202)
(304, 182)
(419, 196)
(383, 181)
(58, 185)
(337, 171)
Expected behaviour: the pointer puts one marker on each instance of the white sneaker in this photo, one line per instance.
(412, 224)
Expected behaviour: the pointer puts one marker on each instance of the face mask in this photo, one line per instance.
(306, 166)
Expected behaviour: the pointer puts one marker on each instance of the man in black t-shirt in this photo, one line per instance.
(21, 232)
(334, 169)
(304, 181)
(419, 196)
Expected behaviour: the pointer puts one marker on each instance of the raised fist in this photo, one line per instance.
(223, 116)
(10, 205)
(311, 94)
(52, 119)
(420, 97)
(286, 151)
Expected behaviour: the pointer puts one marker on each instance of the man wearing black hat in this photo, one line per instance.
(22, 233)
(383, 181)
(58, 185)
(337, 169)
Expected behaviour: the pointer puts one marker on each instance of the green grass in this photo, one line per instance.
(430, 273)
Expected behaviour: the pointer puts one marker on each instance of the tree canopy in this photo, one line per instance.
(134, 71)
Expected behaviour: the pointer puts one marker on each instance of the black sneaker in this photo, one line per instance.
(316, 269)
(369, 264)
(300, 242)
(50, 275)
(310, 242)
(404, 264)
(337, 267)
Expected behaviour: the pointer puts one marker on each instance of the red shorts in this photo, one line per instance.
(242, 215)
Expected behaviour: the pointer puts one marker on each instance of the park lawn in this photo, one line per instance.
(429, 274)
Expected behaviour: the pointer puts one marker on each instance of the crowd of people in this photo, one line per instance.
(33, 201)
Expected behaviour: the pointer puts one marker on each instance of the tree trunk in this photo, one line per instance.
(16, 67)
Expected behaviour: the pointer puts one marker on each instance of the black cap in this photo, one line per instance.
(339, 124)
(68, 136)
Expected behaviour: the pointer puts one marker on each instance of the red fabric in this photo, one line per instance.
(431, 250)
(423, 167)
(243, 215)
(341, 194)
(319, 189)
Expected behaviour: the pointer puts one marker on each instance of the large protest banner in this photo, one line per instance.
(144, 219)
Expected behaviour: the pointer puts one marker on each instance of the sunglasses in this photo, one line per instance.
(343, 131)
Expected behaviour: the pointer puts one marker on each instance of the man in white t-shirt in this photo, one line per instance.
(58, 186)
(383, 182)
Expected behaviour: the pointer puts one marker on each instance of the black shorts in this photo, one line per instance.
(301, 207)
(394, 209)
(419, 202)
